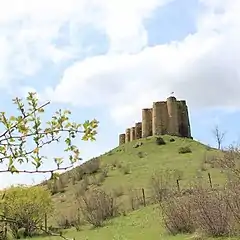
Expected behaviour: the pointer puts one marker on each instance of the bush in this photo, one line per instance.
(64, 222)
(71, 219)
(28, 206)
(79, 173)
(136, 198)
(178, 215)
(81, 188)
(216, 213)
(56, 186)
(160, 141)
(213, 216)
(140, 154)
(183, 150)
(126, 169)
(161, 185)
(92, 166)
(98, 206)
(172, 140)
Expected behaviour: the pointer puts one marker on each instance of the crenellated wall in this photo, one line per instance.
(165, 117)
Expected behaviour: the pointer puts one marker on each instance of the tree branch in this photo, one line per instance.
(28, 115)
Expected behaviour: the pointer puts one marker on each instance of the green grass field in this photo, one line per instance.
(132, 168)
(141, 224)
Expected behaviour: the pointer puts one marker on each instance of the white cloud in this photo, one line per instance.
(29, 29)
(202, 68)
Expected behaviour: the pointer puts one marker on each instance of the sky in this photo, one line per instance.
(108, 59)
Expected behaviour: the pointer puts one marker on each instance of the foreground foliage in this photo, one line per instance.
(26, 207)
(25, 135)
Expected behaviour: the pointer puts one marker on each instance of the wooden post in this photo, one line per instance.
(210, 180)
(45, 223)
(178, 185)
(144, 199)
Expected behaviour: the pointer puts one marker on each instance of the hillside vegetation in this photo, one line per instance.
(135, 174)
(130, 168)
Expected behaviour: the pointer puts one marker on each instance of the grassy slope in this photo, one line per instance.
(138, 225)
(144, 222)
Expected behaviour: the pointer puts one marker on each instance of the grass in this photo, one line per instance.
(138, 225)
(132, 168)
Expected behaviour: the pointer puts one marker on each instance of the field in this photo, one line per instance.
(129, 169)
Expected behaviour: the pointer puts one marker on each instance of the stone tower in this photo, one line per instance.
(173, 121)
(165, 117)
(159, 118)
(146, 122)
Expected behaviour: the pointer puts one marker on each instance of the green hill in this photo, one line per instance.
(125, 171)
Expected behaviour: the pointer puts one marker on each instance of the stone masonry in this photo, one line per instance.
(165, 117)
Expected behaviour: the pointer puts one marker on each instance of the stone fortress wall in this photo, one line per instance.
(165, 117)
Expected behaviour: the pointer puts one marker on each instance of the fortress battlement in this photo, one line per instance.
(165, 117)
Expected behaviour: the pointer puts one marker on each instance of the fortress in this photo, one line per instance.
(165, 117)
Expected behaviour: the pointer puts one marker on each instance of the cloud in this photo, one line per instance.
(31, 32)
(202, 68)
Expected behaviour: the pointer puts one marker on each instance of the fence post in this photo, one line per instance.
(45, 222)
(178, 185)
(210, 180)
(144, 199)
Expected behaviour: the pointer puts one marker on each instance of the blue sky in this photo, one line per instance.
(108, 59)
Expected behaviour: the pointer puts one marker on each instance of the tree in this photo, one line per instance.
(27, 206)
(27, 128)
(219, 136)
(24, 136)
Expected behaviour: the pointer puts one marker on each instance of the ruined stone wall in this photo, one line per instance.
(132, 134)
(138, 130)
(159, 118)
(122, 138)
(127, 135)
(173, 123)
(146, 122)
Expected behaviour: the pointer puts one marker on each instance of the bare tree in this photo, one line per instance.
(219, 136)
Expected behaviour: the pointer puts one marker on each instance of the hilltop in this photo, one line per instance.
(125, 171)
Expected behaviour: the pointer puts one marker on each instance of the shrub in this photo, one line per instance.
(161, 185)
(28, 206)
(172, 140)
(215, 213)
(92, 166)
(140, 154)
(71, 219)
(79, 173)
(126, 169)
(98, 180)
(183, 150)
(64, 222)
(81, 188)
(160, 141)
(115, 163)
(136, 198)
(213, 216)
(178, 215)
(104, 172)
(98, 206)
